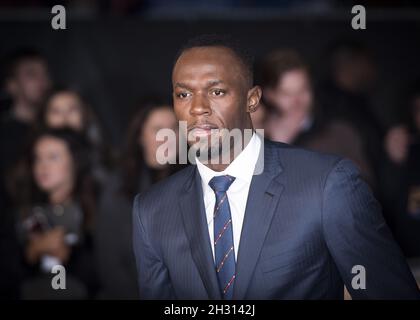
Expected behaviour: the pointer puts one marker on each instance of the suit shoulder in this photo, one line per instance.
(311, 167)
(304, 159)
(165, 190)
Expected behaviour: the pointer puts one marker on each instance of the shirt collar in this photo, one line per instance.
(242, 167)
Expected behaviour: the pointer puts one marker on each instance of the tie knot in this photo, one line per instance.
(221, 183)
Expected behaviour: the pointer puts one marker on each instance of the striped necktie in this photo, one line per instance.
(223, 236)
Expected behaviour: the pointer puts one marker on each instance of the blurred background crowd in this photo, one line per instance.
(80, 108)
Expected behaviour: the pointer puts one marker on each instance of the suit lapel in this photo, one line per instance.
(263, 197)
(194, 218)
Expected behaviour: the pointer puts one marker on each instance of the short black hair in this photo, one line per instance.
(227, 41)
(15, 58)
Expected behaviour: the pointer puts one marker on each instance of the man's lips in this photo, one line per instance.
(202, 129)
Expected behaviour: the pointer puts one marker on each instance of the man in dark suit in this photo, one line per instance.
(276, 222)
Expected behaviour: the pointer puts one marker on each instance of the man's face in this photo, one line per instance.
(31, 81)
(210, 92)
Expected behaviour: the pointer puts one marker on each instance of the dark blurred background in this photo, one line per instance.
(117, 51)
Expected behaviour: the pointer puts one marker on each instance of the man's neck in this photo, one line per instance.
(219, 165)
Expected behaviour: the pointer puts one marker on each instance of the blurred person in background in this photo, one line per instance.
(139, 170)
(351, 76)
(402, 144)
(287, 95)
(345, 95)
(293, 116)
(26, 81)
(67, 108)
(56, 209)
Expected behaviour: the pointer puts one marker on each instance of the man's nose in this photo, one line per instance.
(200, 105)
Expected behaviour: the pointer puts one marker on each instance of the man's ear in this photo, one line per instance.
(253, 100)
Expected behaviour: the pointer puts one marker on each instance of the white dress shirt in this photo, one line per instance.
(242, 168)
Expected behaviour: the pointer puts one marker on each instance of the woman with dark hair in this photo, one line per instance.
(56, 216)
(139, 170)
(66, 107)
(294, 116)
(140, 167)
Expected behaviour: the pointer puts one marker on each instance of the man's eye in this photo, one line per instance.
(218, 92)
(183, 95)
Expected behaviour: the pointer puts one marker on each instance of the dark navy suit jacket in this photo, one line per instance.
(309, 220)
